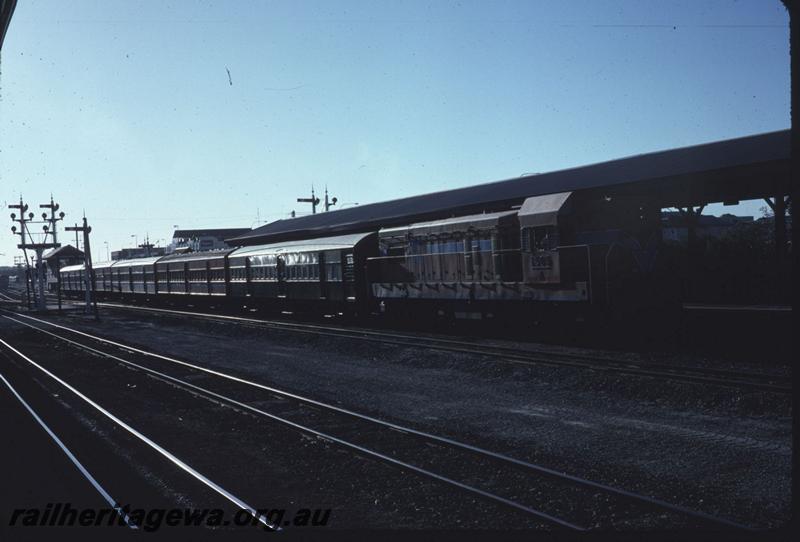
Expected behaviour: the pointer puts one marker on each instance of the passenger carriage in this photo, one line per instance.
(200, 275)
(325, 272)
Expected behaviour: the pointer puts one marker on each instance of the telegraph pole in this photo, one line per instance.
(39, 248)
(88, 275)
(75, 229)
(22, 210)
(23, 272)
(147, 245)
(53, 220)
(313, 200)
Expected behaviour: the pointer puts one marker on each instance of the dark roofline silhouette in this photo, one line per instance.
(218, 232)
(670, 164)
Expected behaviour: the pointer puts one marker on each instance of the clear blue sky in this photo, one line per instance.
(125, 109)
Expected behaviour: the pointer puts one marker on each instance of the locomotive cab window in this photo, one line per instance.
(540, 238)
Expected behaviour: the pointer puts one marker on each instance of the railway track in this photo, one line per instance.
(171, 458)
(557, 498)
(721, 377)
(112, 503)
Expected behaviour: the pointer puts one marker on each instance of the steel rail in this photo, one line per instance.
(594, 363)
(320, 434)
(540, 469)
(161, 450)
(75, 461)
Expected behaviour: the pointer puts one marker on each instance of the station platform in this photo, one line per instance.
(761, 332)
(736, 308)
(66, 306)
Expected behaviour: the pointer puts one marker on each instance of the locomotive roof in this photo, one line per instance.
(305, 245)
(449, 225)
(542, 210)
(681, 173)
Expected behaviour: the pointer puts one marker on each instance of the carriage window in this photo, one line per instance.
(332, 271)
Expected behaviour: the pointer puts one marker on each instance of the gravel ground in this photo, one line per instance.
(257, 460)
(714, 449)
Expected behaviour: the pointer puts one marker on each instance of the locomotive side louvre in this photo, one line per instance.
(446, 259)
(473, 259)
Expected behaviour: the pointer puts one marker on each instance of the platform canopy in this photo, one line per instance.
(6, 11)
(736, 169)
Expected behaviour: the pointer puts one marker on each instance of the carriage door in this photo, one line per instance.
(323, 279)
(348, 276)
(280, 269)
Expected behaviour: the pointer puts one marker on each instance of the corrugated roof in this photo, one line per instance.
(768, 147)
(6, 11)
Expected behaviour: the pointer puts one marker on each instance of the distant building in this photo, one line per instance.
(138, 252)
(674, 226)
(770, 221)
(200, 240)
(57, 258)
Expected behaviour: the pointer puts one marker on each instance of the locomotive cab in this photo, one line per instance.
(540, 222)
